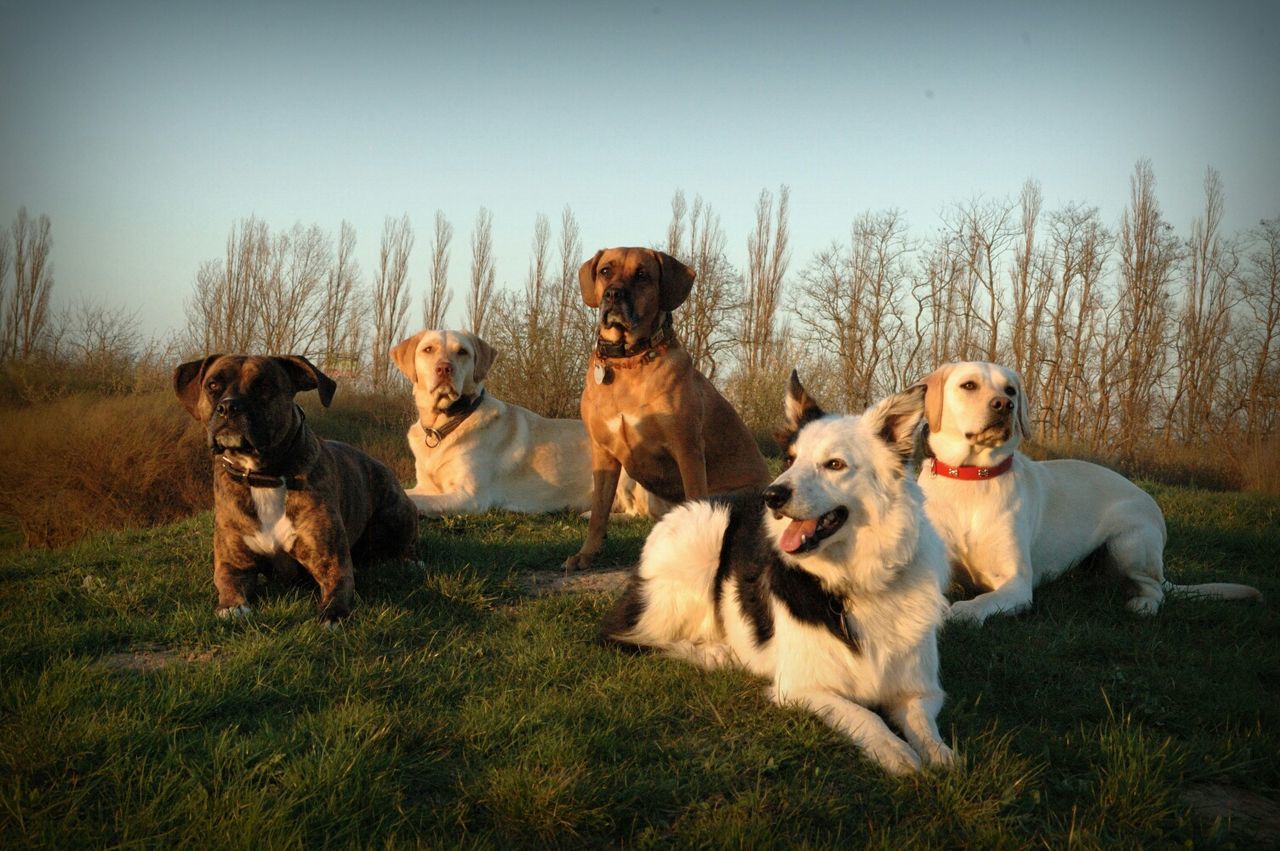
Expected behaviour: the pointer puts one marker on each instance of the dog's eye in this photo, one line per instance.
(213, 387)
(428, 349)
(605, 272)
(1011, 390)
(835, 464)
(462, 353)
(969, 385)
(641, 274)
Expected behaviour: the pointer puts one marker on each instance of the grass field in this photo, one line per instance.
(455, 707)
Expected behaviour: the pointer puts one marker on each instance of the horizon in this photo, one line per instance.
(144, 142)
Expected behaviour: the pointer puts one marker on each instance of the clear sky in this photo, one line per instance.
(145, 129)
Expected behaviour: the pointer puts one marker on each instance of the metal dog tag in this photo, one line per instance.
(599, 373)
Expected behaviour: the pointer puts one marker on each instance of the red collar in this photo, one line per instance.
(970, 473)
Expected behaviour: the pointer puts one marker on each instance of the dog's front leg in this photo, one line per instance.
(454, 502)
(323, 550)
(235, 573)
(1003, 564)
(692, 463)
(867, 729)
(917, 718)
(605, 472)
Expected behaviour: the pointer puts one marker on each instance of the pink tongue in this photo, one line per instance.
(793, 536)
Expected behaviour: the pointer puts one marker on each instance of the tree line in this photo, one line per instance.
(1128, 335)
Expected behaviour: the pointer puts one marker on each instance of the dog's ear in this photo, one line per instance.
(895, 419)
(404, 354)
(933, 385)
(800, 408)
(187, 381)
(675, 283)
(485, 356)
(587, 280)
(305, 376)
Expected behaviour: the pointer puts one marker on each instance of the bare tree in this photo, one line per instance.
(1259, 333)
(1073, 273)
(341, 305)
(6, 259)
(543, 335)
(703, 322)
(435, 303)
(27, 309)
(390, 294)
(1031, 283)
(852, 308)
(290, 290)
(767, 261)
(483, 272)
(1149, 254)
(1200, 344)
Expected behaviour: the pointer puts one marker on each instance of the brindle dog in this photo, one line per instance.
(282, 496)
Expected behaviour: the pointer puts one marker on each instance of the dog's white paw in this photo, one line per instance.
(938, 755)
(894, 755)
(967, 611)
(233, 612)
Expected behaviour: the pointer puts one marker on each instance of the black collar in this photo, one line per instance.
(458, 413)
(664, 336)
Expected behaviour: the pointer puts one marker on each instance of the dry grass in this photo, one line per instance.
(84, 463)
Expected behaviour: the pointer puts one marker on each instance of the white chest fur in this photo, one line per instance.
(275, 530)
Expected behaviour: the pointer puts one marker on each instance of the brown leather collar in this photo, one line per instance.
(969, 473)
(253, 479)
(458, 413)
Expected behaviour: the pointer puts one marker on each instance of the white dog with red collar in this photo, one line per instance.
(1011, 523)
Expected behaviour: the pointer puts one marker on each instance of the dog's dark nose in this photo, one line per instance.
(776, 496)
(612, 295)
(1000, 403)
(230, 406)
(444, 370)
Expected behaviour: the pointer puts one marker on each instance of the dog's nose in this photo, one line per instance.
(612, 295)
(776, 496)
(1000, 403)
(229, 407)
(444, 370)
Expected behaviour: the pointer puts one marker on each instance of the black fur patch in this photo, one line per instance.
(624, 616)
(750, 561)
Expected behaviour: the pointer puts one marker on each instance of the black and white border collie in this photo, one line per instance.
(830, 583)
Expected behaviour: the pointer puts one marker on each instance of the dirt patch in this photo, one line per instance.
(153, 658)
(1248, 812)
(546, 582)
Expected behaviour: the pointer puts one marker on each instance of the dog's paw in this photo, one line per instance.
(965, 611)
(894, 756)
(578, 561)
(233, 612)
(938, 755)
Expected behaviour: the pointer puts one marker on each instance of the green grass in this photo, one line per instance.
(453, 708)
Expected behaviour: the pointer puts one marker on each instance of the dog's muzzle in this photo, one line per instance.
(616, 309)
(802, 535)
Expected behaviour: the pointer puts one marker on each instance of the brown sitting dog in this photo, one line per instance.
(281, 495)
(647, 410)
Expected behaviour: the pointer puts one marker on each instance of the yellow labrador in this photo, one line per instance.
(473, 452)
(1011, 523)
